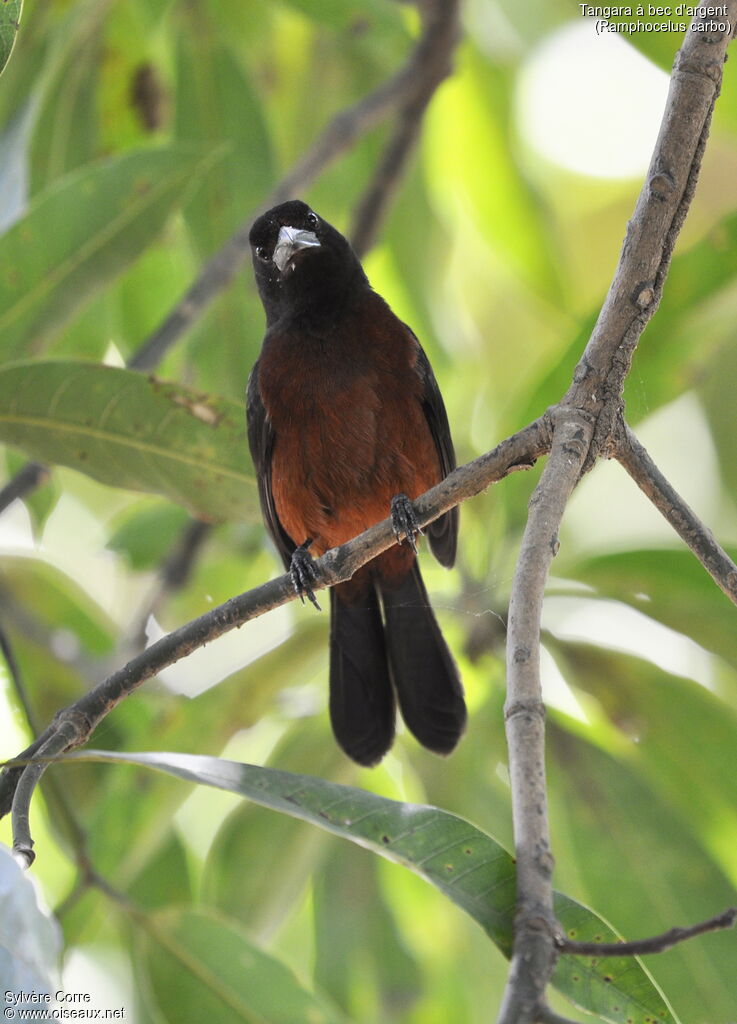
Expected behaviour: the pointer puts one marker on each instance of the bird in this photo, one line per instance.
(346, 425)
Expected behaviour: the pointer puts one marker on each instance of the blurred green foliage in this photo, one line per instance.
(135, 137)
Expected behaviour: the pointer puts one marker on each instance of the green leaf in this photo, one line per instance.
(635, 857)
(718, 405)
(128, 430)
(692, 337)
(146, 533)
(165, 879)
(66, 90)
(616, 988)
(244, 853)
(357, 937)
(217, 106)
(469, 140)
(10, 13)
(340, 14)
(61, 607)
(678, 347)
(670, 717)
(80, 234)
(670, 586)
(201, 966)
(465, 864)
(130, 308)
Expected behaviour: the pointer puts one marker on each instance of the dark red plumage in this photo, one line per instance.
(344, 413)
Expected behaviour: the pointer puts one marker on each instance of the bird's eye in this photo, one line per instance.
(312, 219)
(262, 253)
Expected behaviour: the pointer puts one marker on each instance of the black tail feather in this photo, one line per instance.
(423, 671)
(361, 695)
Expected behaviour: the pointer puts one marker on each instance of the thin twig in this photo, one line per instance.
(640, 466)
(90, 878)
(594, 398)
(656, 944)
(74, 724)
(440, 37)
(55, 740)
(27, 479)
(177, 568)
(370, 211)
(76, 833)
(21, 691)
(173, 577)
(409, 91)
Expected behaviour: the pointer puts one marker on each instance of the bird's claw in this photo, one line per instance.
(303, 573)
(404, 520)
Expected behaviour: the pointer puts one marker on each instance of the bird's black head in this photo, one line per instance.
(303, 266)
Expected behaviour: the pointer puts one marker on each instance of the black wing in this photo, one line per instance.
(261, 442)
(443, 533)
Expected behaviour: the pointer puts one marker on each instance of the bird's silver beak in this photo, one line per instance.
(290, 240)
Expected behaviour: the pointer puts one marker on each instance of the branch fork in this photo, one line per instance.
(589, 423)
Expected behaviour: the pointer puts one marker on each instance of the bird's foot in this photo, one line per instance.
(404, 520)
(303, 573)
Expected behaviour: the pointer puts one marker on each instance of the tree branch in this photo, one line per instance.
(433, 55)
(408, 91)
(585, 421)
(656, 944)
(74, 724)
(638, 463)
(583, 425)
(533, 956)
(55, 792)
(373, 205)
(381, 190)
(172, 577)
(27, 479)
(16, 678)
